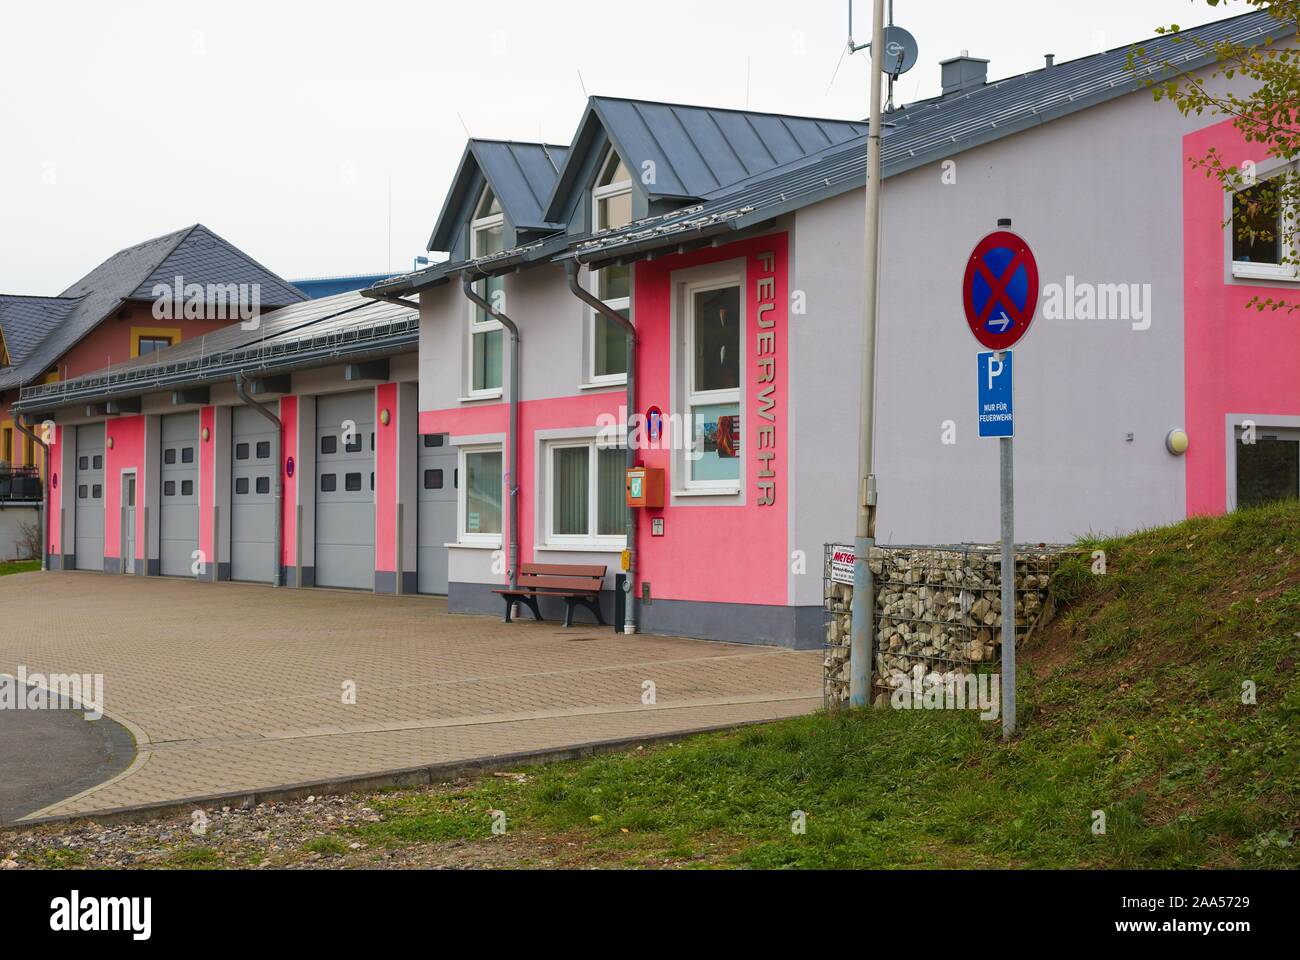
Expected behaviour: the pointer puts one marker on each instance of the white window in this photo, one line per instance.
(1263, 230)
(712, 397)
(611, 201)
(479, 495)
(486, 337)
(585, 504)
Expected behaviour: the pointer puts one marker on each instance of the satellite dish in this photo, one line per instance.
(900, 51)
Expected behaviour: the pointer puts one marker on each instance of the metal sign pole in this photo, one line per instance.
(1008, 588)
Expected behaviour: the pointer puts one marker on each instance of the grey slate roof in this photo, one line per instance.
(523, 176)
(330, 330)
(695, 150)
(195, 253)
(927, 132)
(26, 321)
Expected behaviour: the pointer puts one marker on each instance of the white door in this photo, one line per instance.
(437, 512)
(128, 523)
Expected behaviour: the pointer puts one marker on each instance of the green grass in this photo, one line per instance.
(18, 566)
(1130, 705)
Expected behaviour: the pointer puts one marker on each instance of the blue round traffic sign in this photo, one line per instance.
(1000, 290)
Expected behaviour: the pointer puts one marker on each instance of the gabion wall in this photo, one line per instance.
(940, 608)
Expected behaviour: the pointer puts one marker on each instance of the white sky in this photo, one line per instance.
(281, 124)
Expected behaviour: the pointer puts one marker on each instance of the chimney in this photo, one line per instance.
(1051, 60)
(964, 73)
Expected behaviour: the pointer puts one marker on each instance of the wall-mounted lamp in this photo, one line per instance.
(1177, 442)
(385, 417)
(207, 434)
(110, 443)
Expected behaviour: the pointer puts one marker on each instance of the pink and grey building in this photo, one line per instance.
(730, 242)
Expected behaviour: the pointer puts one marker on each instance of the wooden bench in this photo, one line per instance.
(576, 586)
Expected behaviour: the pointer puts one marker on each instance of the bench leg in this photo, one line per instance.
(510, 606)
(531, 603)
(589, 603)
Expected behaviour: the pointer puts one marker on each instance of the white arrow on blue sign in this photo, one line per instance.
(996, 410)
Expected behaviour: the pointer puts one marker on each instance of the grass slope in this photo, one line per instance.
(1132, 704)
(18, 566)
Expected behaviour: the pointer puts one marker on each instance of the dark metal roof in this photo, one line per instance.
(313, 333)
(26, 321)
(522, 175)
(195, 253)
(928, 132)
(695, 150)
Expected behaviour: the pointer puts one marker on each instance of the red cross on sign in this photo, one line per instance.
(1000, 290)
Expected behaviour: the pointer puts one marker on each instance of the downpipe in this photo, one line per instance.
(241, 388)
(571, 268)
(28, 432)
(467, 281)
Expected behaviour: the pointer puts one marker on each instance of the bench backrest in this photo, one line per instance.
(556, 576)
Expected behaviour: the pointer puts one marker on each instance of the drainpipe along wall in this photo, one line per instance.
(467, 281)
(45, 489)
(241, 388)
(578, 290)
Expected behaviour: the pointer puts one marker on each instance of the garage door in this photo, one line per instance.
(345, 491)
(252, 498)
(178, 530)
(437, 517)
(90, 497)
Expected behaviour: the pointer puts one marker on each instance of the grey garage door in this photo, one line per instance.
(178, 530)
(437, 517)
(252, 498)
(89, 546)
(345, 491)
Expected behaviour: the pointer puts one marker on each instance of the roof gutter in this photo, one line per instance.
(390, 298)
(571, 267)
(312, 360)
(467, 281)
(241, 388)
(45, 489)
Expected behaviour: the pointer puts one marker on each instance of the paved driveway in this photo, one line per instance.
(231, 688)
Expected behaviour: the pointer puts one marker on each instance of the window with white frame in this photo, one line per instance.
(1263, 226)
(584, 492)
(1268, 466)
(486, 337)
(712, 397)
(611, 200)
(479, 495)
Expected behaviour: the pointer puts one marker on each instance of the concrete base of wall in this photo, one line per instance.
(796, 628)
(289, 577)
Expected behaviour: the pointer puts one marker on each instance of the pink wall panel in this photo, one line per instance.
(289, 410)
(124, 450)
(207, 479)
(1238, 360)
(386, 478)
(56, 490)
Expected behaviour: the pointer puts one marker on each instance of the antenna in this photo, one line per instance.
(464, 124)
(900, 51)
(583, 85)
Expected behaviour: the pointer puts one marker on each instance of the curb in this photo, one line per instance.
(425, 776)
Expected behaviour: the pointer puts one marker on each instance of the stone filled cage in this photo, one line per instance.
(939, 608)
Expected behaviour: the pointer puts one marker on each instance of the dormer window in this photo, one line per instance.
(612, 194)
(611, 200)
(486, 339)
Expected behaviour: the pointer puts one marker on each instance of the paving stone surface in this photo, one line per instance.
(233, 687)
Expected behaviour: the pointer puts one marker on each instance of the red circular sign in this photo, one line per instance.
(1000, 291)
